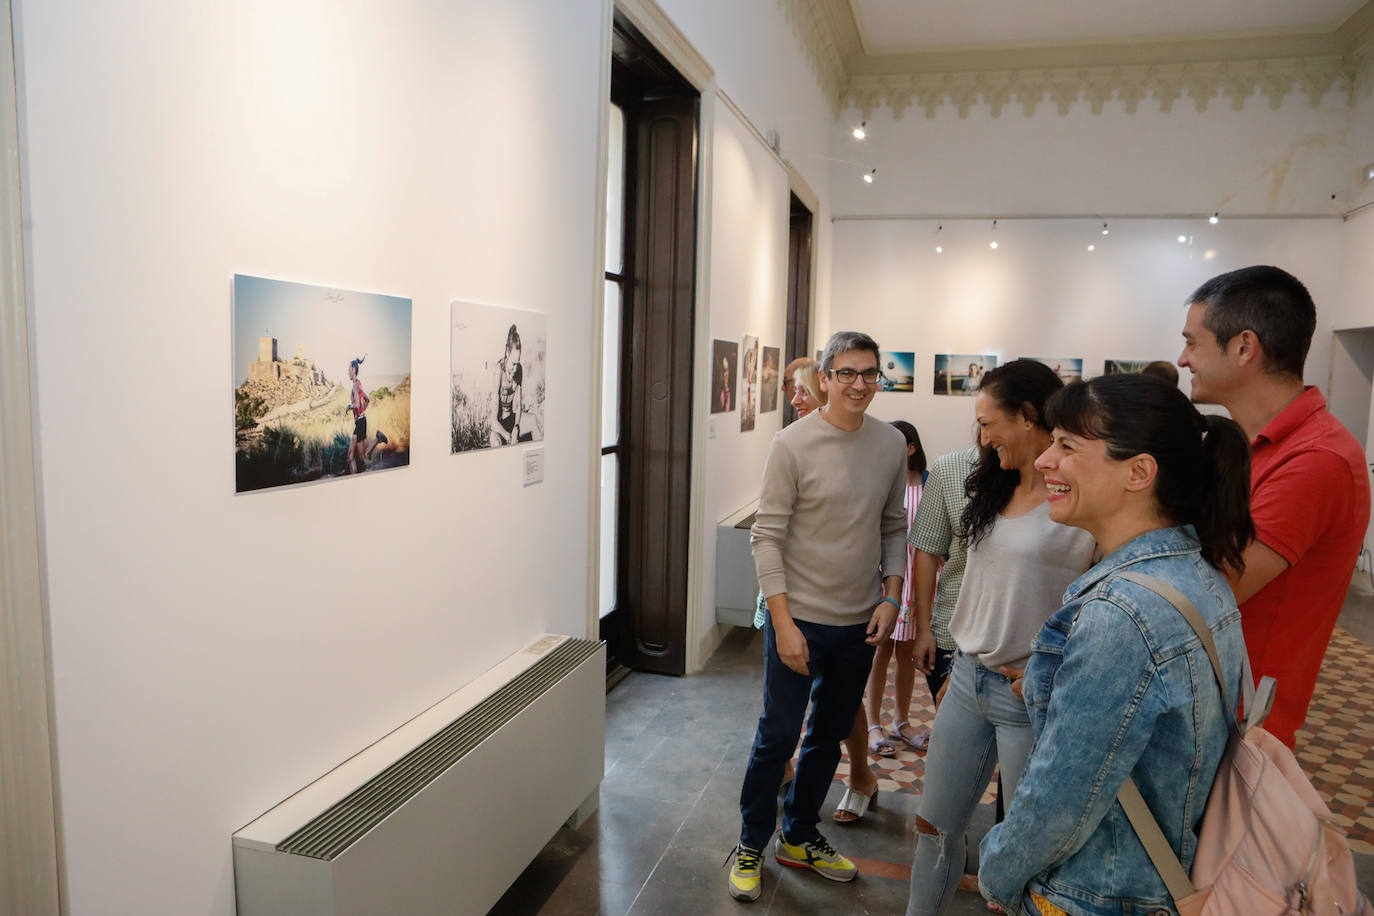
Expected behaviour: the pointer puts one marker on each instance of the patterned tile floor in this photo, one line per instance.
(1336, 749)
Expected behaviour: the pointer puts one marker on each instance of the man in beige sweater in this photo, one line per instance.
(830, 550)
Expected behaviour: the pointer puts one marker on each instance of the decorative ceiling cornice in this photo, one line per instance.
(1166, 83)
(1200, 71)
(826, 40)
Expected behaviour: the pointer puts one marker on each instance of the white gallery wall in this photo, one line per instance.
(1356, 301)
(1357, 270)
(1256, 160)
(760, 64)
(1361, 145)
(748, 293)
(212, 653)
(1041, 293)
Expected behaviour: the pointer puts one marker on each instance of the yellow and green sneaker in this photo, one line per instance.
(746, 880)
(817, 855)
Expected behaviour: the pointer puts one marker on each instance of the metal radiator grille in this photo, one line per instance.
(346, 821)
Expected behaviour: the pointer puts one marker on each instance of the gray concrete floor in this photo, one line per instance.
(669, 815)
(669, 811)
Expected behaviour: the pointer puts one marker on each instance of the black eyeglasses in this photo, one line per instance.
(847, 376)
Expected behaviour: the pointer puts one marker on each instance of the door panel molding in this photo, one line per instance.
(661, 313)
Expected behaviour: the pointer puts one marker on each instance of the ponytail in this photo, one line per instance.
(1222, 518)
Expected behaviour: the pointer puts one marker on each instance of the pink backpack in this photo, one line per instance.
(1268, 843)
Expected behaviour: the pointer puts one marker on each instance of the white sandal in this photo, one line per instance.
(917, 742)
(854, 805)
(880, 747)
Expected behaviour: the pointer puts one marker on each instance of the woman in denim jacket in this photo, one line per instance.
(1118, 684)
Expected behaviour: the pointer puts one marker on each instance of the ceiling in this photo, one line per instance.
(908, 26)
(868, 53)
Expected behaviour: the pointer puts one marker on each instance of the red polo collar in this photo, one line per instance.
(1292, 416)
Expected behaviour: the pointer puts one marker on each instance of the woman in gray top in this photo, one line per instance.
(1019, 563)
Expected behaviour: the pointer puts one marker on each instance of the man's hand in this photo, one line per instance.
(881, 624)
(792, 648)
(1017, 676)
(924, 650)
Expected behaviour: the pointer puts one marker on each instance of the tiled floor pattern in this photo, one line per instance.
(675, 755)
(1336, 748)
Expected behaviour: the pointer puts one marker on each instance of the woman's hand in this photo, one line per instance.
(924, 650)
(1017, 676)
(792, 649)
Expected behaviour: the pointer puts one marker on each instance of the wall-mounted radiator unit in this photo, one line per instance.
(441, 815)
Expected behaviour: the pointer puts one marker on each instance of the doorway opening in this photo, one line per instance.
(1351, 385)
(801, 227)
(649, 320)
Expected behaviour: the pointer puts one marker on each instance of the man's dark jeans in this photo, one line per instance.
(839, 665)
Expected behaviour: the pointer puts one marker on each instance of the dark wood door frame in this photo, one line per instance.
(647, 630)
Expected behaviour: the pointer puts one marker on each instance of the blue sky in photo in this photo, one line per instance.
(335, 325)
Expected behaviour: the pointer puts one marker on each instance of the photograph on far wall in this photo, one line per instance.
(1067, 368)
(497, 363)
(898, 369)
(724, 362)
(1119, 366)
(961, 373)
(768, 379)
(748, 382)
(339, 404)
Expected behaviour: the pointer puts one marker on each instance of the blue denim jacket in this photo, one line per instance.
(1118, 685)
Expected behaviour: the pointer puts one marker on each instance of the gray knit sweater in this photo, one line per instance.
(831, 522)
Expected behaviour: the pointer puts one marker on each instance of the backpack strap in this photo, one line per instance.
(1256, 700)
(1152, 838)
(1204, 634)
(1142, 820)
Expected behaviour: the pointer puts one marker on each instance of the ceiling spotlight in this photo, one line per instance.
(859, 132)
(1182, 239)
(1209, 254)
(868, 176)
(992, 245)
(1092, 247)
(1214, 218)
(939, 249)
(1105, 230)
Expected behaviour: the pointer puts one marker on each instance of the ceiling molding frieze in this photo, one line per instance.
(820, 38)
(1167, 84)
(1168, 74)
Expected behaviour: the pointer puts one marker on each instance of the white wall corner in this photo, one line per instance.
(29, 868)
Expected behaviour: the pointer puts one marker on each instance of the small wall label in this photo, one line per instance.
(534, 466)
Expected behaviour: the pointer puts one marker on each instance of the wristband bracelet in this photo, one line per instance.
(893, 602)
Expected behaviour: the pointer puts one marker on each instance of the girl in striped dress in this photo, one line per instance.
(901, 644)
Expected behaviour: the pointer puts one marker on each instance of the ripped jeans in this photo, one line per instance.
(981, 723)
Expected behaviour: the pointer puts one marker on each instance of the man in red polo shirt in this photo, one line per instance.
(1245, 341)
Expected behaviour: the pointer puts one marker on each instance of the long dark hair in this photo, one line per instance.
(916, 461)
(1021, 386)
(1204, 461)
